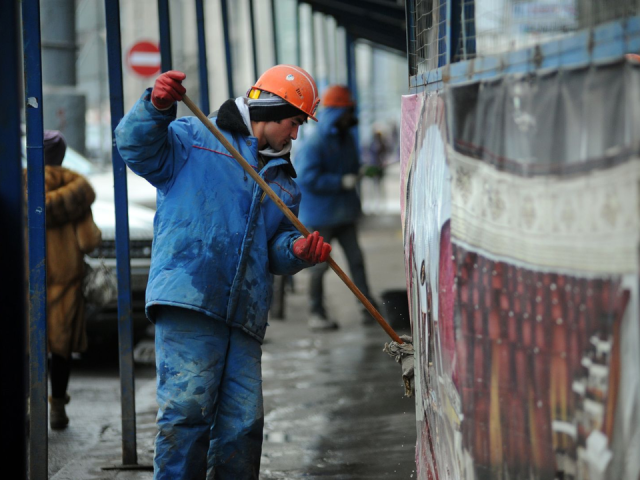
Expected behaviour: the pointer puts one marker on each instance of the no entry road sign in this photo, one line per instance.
(143, 58)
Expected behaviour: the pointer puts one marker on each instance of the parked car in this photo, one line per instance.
(102, 322)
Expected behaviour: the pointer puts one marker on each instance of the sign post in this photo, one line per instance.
(143, 59)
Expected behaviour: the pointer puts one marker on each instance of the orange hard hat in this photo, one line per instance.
(337, 96)
(633, 56)
(293, 84)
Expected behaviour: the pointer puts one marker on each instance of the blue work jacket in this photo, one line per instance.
(321, 161)
(218, 238)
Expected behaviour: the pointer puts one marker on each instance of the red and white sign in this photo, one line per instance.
(143, 58)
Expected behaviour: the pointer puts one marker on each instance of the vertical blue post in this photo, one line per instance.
(12, 294)
(351, 67)
(38, 447)
(254, 46)
(410, 16)
(274, 29)
(227, 45)
(166, 60)
(352, 80)
(202, 58)
(125, 324)
(314, 70)
(299, 36)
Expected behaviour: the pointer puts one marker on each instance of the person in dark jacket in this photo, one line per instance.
(218, 241)
(328, 165)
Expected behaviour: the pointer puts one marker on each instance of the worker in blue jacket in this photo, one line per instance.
(328, 165)
(218, 240)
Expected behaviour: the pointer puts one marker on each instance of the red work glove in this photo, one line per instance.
(168, 89)
(312, 249)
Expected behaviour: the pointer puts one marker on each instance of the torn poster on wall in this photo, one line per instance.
(521, 225)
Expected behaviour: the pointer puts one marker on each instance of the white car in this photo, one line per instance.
(102, 322)
(141, 196)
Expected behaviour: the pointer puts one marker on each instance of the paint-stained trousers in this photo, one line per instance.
(209, 393)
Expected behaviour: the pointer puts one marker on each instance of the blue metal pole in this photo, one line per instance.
(274, 27)
(38, 448)
(125, 323)
(202, 58)
(351, 67)
(352, 82)
(312, 63)
(165, 35)
(253, 40)
(12, 294)
(227, 45)
(410, 15)
(299, 36)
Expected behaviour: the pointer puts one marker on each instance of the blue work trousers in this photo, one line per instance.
(347, 236)
(211, 417)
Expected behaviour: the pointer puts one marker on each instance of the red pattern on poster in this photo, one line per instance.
(525, 339)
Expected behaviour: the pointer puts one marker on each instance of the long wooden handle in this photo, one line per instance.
(289, 214)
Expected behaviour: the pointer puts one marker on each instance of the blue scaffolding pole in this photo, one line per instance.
(12, 294)
(125, 323)
(314, 67)
(352, 81)
(253, 40)
(165, 35)
(410, 18)
(298, 36)
(202, 58)
(38, 432)
(224, 7)
(274, 28)
(351, 67)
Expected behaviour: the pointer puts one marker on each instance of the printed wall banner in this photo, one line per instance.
(521, 222)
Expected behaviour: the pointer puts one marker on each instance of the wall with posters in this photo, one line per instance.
(521, 221)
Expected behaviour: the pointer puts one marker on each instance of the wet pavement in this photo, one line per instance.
(334, 402)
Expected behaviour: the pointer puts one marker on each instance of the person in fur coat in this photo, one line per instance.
(71, 233)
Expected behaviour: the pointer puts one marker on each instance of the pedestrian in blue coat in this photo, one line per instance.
(328, 164)
(218, 240)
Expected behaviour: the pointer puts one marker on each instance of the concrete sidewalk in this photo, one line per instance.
(334, 404)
